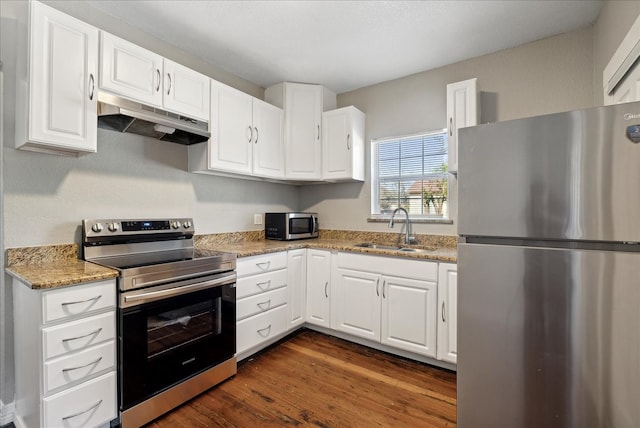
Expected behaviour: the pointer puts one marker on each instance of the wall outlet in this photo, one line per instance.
(257, 219)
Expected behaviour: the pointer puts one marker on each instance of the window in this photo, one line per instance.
(410, 172)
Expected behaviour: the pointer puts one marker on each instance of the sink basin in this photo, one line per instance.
(393, 248)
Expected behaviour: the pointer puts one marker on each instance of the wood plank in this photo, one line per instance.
(318, 380)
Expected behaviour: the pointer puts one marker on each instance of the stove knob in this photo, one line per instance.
(97, 227)
(186, 224)
(175, 224)
(113, 227)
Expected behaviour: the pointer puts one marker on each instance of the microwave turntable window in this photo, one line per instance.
(300, 225)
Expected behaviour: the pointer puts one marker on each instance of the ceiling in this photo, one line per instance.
(346, 45)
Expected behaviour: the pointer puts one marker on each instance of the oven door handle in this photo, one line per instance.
(150, 296)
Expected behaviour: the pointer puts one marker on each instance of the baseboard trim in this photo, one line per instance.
(7, 412)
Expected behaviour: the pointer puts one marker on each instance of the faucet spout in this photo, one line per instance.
(408, 238)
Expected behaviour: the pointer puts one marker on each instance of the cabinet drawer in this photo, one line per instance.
(78, 300)
(395, 266)
(77, 335)
(72, 368)
(259, 328)
(263, 263)
(91, 403)
(255, 284)
(260, 303)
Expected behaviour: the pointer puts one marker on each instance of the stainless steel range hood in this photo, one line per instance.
(118, 114)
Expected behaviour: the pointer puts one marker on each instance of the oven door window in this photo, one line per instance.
(171, 329)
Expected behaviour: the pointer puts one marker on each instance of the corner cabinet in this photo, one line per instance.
(246, 136)
(462, 111)
(303, 105)
(56, 106)
(448, 312)
(319, 287)
(343, 144)
(65, 352)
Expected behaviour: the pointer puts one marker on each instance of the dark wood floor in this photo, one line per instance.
(317, 380)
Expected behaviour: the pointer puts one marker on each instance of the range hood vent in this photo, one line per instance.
(118, 114)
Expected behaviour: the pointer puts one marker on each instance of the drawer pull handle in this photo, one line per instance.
(262, 330)
(264, 305)
(263, 265)
(93, 333)
(264, 285)
(94, 362)
(64, 418)
(77, 302)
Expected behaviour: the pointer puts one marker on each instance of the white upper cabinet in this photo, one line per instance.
(303, 105)
(56, 108)
(246, 136)
(130, 70)
(343, 144)
(141, 75)
(462, 111)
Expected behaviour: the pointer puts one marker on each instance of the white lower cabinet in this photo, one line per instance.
(65, 353)
(448, 312)
(318, 287)
(261, 301)
(296, 286)
(388, 300)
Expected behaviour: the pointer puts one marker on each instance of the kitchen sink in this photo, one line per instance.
(394, 248)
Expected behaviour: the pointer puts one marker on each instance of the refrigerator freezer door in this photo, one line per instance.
(548, 338)
(573, 175)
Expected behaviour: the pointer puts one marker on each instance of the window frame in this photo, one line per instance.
(376, 214)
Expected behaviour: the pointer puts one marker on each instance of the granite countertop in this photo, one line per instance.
(54, 266)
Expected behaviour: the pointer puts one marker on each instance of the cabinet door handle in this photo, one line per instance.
(267, 329)
(264, 305)
(96, 361)
(92, 82)
(451, 127)
(158, 78)
(326, 285)
(169, 88)
(318, 132)
(265, 264)
(93, 333)
(257, 135)
(77, 302)
(383, 284)
(378, 287)
(443, 316)
(250, 133)
(267, 284)
(348, 138)
(64, 418)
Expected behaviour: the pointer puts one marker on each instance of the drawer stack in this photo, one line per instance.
(261, 299)
(66, 355)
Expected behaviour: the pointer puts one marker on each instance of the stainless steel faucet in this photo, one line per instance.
(408, 238)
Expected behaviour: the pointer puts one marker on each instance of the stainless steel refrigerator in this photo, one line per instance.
(549, 271)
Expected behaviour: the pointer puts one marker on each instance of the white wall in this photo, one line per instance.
(551, 75)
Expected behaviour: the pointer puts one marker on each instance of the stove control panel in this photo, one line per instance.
(110, 227)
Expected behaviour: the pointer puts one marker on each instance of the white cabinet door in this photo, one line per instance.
(185, 91)
(319, 287)
(408, 314)
(343, 144)
(129, 70)
(462, 111)
(231, 143)
(297, 278)
(448, 312)
(63, 65)
(356, 303)
(303, 144)
(268, 147)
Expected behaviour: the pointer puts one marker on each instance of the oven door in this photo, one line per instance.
(171, 332)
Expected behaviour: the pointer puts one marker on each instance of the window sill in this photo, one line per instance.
(385, 219)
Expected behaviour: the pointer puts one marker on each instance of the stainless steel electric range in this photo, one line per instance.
(176, 312)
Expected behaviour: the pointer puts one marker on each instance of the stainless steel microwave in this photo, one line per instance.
(290, 226)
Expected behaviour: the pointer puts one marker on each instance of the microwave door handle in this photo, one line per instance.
(314, 228)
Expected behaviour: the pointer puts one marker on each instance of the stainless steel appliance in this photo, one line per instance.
(549, 271)
(176, 312)
(290, 226)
